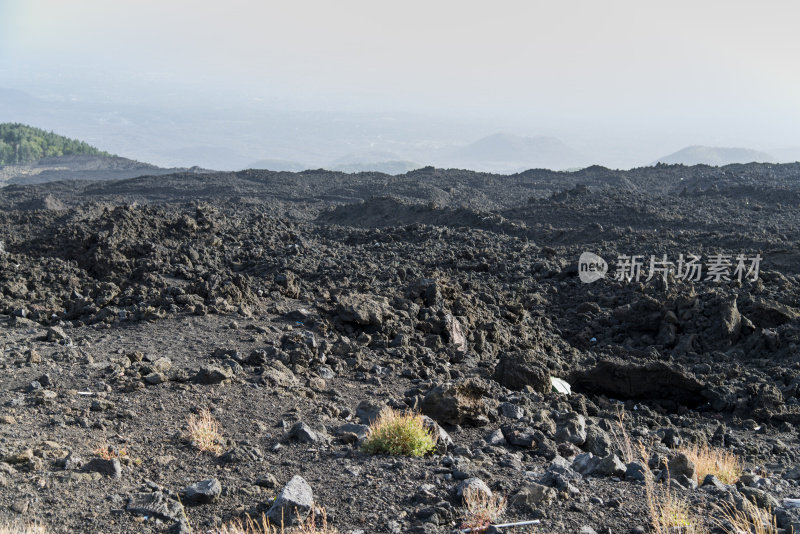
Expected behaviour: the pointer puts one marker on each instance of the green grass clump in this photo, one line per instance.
(399, 433)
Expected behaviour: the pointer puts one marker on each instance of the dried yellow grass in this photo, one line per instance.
(622, 440)
(668, 511)
(725, 465)
(481, 510)
(262, 526)
(204, 432)
(109, 452)
(750, 518)
(671, 513)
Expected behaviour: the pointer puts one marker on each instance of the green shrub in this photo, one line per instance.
(399, 433)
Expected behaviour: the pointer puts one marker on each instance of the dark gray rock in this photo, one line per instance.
(155, 379)
(635, 471)
(457, 404)
(519, 436)
(680, 464)
(155, 504)
(792, 474)
(760, 498)
(517, 370)
(585, 463)
(686, 482)
(110, 468)
(304, 433)
(597, 441)
(473, 484)
(293, 503)
(213, 374)
(672, 438)
(512, 411)
(533, 496)
(572, 429)
(713, 481)
(363, 309)
(360, 431)
(610, 466)
(788, 518)
(367, 411)
(496, 438)
(444, 442)
(203, 492)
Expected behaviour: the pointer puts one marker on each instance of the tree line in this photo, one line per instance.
(20, 144)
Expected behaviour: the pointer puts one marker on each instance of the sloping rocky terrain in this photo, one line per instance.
(80, 167)
(295, 307)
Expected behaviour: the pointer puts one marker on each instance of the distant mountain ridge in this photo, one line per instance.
(513, 151)
(716, 156)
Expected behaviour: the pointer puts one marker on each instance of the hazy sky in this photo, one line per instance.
(703, 69)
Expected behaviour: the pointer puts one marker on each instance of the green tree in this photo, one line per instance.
(24, 144)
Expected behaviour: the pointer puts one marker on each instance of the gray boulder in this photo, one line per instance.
(109, 468)
(473, 484)
(517, 370)
(293, 503)
(367, 411)
(363, 309)
(635, 471)
(213, 374)
(585, 463)
(680, 464)
(155, 504)
(457, 404)
(572, 429)
(610, 466)
(597, 441)
(203, 492)
(304, 433)
(533, 496)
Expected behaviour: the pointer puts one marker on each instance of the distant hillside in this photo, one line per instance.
(386, 167)
(21, 144)
(511, 151)
(277, 165)
(786, 155)
(717, 156)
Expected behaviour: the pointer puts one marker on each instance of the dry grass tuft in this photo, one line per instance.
(669, 513)
(622, 440)
(399, 433)
(109, 452)
(481, 510)
(725, 465)
(262, 526)
(309, 526)
(750, 519)
(204, 432)
(22, 528)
